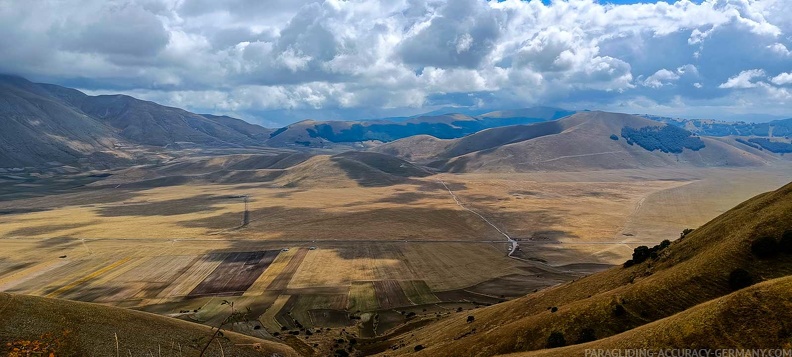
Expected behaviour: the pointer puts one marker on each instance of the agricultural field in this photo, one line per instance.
(364, 259)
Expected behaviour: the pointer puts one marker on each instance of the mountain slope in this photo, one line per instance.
(41, 123)
(86, 329)
(583, 141)
(689, 272)
(37, 127)
(149, 123)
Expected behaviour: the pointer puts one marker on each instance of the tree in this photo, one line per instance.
(556, 339)
(765, 247)
(471, 319)
(739, 279)
(640, 254)
(786, 242)
(614, 137)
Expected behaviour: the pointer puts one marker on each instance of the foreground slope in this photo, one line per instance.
(86, 329)
(689, 272)
(752, 318)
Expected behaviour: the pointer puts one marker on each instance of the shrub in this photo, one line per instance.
(471, 318)
(640, 254)
(740, 278)
(418, 348)
(556, 339)
(586, 335)
(554, 309)
(629, 263)
(619, 310)
(765, 247)
(786, 242)
(341, 353)
(685, 232)
(614, 137)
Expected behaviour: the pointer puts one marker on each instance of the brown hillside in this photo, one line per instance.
(690, 272)
(87, 329)
(753, 318)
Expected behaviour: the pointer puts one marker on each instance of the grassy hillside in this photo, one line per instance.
(69, 328)
(752, 318)
(691, 271)
(583, 141)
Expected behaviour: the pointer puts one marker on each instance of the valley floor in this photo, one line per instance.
(362, 259)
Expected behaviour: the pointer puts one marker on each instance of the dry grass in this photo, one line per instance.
(752, 318)
(690, 272)
(148, 248)
(83, 329)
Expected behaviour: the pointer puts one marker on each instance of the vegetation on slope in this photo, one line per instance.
(668, 139)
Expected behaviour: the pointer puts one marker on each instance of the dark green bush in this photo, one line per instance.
(765, 247)
(556, 339)
(739, 279)
(786, 242)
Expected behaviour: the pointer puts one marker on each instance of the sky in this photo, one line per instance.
(274, 62)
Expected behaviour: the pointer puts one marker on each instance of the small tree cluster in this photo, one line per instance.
(643, 253)
(556, 339)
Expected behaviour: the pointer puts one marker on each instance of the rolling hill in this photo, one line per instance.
(70, 328)
(309, 133)
(288, 169)
(583, 141)
(661, 300)
(44, 123)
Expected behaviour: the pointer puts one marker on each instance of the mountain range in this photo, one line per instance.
(49, 125)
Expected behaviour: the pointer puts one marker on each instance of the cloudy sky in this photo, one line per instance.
(277, 61)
